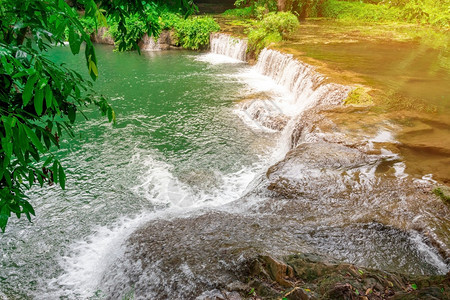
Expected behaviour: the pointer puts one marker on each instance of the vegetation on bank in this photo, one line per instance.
(432, 12)
(190, 33)
(272, 27)
(424, 20)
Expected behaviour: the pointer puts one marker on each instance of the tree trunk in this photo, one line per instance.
(281, 4)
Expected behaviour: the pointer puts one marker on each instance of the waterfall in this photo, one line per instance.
(227, 45)
(295, 88)
(308, 87)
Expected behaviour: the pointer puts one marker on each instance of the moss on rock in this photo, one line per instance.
(360, 97)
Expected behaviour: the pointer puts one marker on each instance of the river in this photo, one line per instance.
(169, 201)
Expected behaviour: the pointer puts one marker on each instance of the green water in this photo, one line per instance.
(175, 142)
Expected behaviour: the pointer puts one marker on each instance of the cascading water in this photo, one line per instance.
(227, 45)
(300, 204)
(284, 187)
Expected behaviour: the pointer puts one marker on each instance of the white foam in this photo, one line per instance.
(88, 259)
(158, 185)
(429, 254)
(217, 59)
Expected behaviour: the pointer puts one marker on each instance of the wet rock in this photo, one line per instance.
(274, 269)
(297, 294)
(295, 175)
(219, 295)
(102, 36)
(347, 184)
(345, 281)
(264, 112)
(165, 41)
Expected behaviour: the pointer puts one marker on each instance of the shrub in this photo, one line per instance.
(428, 11)
(259, 39)
(434, 12)
(273, 27)
(193, 33)
(359, 11)
(245, 12)
(252, 8)
(282, 22)
(169, 20)
(136, 29)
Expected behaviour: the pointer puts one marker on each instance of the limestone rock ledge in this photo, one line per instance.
(166, 40)
(308, 276)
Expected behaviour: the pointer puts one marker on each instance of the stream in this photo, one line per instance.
(212, 162)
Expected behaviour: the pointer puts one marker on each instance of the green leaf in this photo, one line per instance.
(48, 96)
(20, 74)
(39, 101)
(47, 161)
(41, 180)
(55, 171)
(7, 176)
(26, 207)
(93, 68)
(3, 222)
(110, 114)
(34, 139)
(9, 68)
(31, 177)
(74, 41)
(5, 213)
(28, 90)
(71, 113)
(7, 125)
(42, 83)
(414, 286)
(7, 147)
(62, 177)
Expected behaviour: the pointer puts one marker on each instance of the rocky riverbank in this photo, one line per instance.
(165, 41)
(308, 276)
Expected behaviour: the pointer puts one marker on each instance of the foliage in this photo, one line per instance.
(428, 11)
(423, 11)
(252, 8)
(245, 12)
(272, 28)
(135, 28)
(282, 22)
(359, 11)
(304, 8)
(39, 99)
(259, 39)
(271, 5)
(169, 20)
(193, 33)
